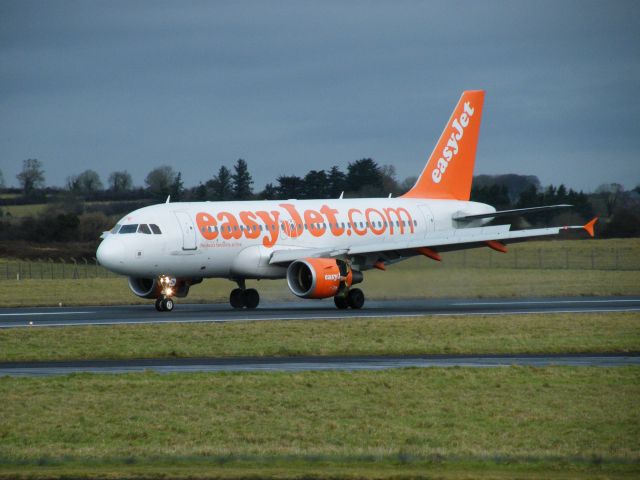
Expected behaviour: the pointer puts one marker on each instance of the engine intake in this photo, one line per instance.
(320, 277)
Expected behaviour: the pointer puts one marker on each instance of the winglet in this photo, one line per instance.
(589, 226)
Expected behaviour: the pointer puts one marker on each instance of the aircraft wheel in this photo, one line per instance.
(159, 304)
(251, 298)
(167, 304)
(355, 298)
(236, 299)
(341, 302)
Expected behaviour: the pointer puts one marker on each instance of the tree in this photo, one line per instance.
(31, 177)
(389, 182)
(495, 195)
(530, 198)
(336, 180)
(315, 184)
(364, 176)
(562, 194)
(242, 181)
(160, 180)
(1, 179)
(610, 194)
(120, 181)
(270, 192)
(177, 188)
(220, 186)
(86, 182)
(407, 184)
(289, 187)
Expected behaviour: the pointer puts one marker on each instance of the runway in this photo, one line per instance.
(308, 310)
(298, 364)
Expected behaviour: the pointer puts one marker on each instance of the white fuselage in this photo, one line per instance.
(235, 239)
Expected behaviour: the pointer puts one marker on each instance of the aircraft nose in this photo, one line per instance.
(111, 253)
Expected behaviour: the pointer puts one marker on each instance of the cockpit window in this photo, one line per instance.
(131, 228)
(144, 228)
(155, 229)
(116, 228)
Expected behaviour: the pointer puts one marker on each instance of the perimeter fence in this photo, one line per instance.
(567, 258)
(53, 269)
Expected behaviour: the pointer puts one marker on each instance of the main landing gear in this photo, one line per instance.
(353, 298)
(243, 297)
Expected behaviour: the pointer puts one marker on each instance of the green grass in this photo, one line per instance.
(557, 418)
(25, 210)
(549, 333)
(401, 281)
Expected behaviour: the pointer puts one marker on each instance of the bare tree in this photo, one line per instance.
(120, 181)
(31, 177)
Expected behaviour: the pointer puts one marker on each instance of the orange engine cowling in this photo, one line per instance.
(320, 277)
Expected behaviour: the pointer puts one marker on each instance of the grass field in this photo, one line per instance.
(575, 421)
(24, 210)
(458, 423)
(401, 281)
(549, 333)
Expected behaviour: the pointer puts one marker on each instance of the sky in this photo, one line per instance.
(297, 85)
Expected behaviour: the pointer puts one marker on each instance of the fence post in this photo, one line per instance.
(74, 275)
(63, 264)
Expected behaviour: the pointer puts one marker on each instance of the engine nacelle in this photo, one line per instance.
(320, 277)
(151, 287)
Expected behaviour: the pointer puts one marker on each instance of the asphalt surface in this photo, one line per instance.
(308, 310)
(298, 364)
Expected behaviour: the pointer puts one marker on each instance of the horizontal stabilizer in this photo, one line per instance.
(510, 213)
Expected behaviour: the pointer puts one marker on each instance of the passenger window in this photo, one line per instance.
(155, 229)
(144, 228)
(133, 228)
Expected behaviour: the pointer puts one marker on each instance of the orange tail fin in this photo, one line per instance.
(449, 171)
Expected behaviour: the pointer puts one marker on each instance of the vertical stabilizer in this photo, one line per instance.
(449, 171)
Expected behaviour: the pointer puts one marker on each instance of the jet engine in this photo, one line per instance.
(152, 287)
(320, 277)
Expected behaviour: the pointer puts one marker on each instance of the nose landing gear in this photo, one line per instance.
(164, 303)
(243, 297)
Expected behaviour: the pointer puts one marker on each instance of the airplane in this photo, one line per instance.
(321, 247)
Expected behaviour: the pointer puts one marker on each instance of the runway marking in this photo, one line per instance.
(40, 313)
(544, 302)
(327, 317)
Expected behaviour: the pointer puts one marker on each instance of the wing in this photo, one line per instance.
(447, 240)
